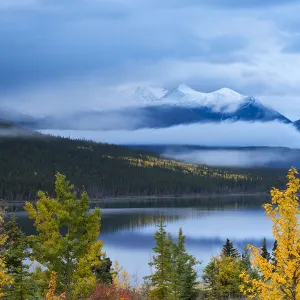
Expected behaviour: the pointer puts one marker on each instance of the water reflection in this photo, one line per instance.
(128, 232)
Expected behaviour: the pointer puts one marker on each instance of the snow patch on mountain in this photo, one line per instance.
(222, 100)
(143, 96)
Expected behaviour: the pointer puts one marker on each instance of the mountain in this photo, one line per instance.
(297, 124)
(144, 96)
(191, 106)
(224, 99)
(181, 105)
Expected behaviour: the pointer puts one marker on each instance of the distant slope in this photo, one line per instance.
(297, 124)
(9, 129)
(29, 164)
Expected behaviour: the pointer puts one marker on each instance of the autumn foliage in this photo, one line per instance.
(52, 289)
(70, 256)
(112, 292)
(280, 277)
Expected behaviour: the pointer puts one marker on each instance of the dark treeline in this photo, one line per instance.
(29, 164)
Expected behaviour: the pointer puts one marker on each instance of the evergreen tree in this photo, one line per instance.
(275, 245)
(67, 240)
(175, 276)
(161, 279)
(104, 272)
(184, 274)
(16, 254)
(222, 277)
(229, 250)
(264, 250)
(245, 260)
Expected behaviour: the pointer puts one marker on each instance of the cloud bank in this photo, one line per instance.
(59, 55)
(234, 158)
(243, 134)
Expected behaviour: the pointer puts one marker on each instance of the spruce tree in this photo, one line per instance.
(264, 250)
(275, 245)
(161, 279)
(184, 275)
(67, 239)
(222, 277)
(245, 260)
(229, 250)
(16, 254)
(104, 272)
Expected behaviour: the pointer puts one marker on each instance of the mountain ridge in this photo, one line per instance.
(179, 106)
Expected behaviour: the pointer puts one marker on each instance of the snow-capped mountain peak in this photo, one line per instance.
(223, 99)
(221, 104)
(143, 95)
(185, 89)
(228, 94)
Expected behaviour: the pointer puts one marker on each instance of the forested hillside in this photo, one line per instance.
(30, 163)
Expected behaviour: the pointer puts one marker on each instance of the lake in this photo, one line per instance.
(128, 232)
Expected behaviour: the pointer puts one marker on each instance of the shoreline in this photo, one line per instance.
(136, 198)
(185, 196)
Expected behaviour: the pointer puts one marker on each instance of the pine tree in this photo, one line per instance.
(104, 272)
(275, 245)
(67, 240)
(184, 274)
(264, 250)
(161, 279)
(222, 277)
(16, 254)
(246, 263)
(229, 250)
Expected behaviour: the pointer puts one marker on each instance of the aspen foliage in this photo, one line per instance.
(121, 278)
(52, 288)
(280, 280)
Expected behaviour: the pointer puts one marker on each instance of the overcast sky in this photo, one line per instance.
(57, 55)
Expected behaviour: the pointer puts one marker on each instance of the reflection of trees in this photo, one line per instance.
(211, 202)
(134, 218)
(121, 220)
(115, 223)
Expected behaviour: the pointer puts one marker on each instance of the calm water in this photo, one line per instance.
(128, 232)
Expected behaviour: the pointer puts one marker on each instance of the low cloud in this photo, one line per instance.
(15, 132)
(243, 134)
(235, 158)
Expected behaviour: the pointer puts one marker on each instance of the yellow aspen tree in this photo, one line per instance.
(280, 280)
(52, 288)
(120, 277)
(5, 279)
